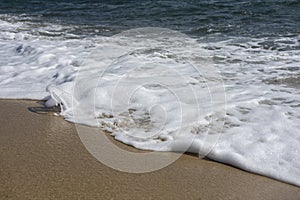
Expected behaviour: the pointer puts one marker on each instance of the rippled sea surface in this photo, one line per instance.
(196, 18)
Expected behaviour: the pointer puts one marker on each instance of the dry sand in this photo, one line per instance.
(42, 157)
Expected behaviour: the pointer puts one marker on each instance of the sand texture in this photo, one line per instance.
(42, 157)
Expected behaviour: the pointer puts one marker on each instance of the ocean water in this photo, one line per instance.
(144, 88)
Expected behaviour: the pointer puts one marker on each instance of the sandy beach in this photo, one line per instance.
(42, 157)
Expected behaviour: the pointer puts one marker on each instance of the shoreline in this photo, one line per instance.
(41, 156)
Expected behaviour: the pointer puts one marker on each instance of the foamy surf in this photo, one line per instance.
(262, 122)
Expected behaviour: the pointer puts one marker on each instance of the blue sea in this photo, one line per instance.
(196, 18)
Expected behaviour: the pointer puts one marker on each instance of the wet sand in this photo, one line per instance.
(42, 157)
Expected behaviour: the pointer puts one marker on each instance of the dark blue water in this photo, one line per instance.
(196, 18)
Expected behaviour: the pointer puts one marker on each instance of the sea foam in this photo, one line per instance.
(113, 85)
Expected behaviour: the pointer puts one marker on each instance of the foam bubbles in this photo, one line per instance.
(261, 76)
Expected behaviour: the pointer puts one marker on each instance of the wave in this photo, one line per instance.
(148, 93)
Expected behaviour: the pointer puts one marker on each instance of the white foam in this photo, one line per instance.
(261, 132)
